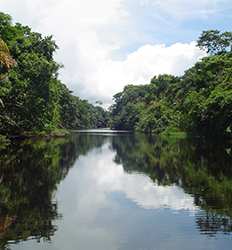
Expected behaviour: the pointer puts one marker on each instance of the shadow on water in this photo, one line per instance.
(30, 172)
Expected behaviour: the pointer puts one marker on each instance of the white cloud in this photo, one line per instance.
(90, 35)
(109, 76)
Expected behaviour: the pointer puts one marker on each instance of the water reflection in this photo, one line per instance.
(115, 192)
(29, 174)
(201, 170)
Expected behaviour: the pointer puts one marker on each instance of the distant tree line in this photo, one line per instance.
(32, 98)
(199, 102)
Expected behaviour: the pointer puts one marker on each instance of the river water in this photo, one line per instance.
(115, 191)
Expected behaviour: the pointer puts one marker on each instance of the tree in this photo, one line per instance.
(214, 42)
(199, 102)
(32, 98)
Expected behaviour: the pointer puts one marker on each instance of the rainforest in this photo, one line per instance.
(199, 102)
(33, 100)
(150, 171)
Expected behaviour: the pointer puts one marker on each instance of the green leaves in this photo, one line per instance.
(32, 98)
(214, 42)
(199, 102)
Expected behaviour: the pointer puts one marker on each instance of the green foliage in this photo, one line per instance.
(4, 142)
(31, 97)
(125, 112)
(213, 41)
(77, 113)
(199, 102)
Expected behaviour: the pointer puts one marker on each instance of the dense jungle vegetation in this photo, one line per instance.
(199, 102)
(32, 98)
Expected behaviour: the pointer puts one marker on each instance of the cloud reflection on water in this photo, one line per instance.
(100, 176)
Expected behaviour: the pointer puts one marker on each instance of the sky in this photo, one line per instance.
(107, 44)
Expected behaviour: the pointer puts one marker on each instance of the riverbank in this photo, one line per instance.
(42, 134)
(5, 140)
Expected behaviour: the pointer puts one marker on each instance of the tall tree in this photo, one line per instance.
(213, 41)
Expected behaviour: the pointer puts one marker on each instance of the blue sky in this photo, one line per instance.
(107, 44)
(185, 25)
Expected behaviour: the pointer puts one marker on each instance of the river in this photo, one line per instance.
(115, 191)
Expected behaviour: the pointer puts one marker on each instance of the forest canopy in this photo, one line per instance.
(33, 99)
(199, 102)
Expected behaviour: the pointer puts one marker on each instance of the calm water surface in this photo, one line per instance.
(109, 191)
